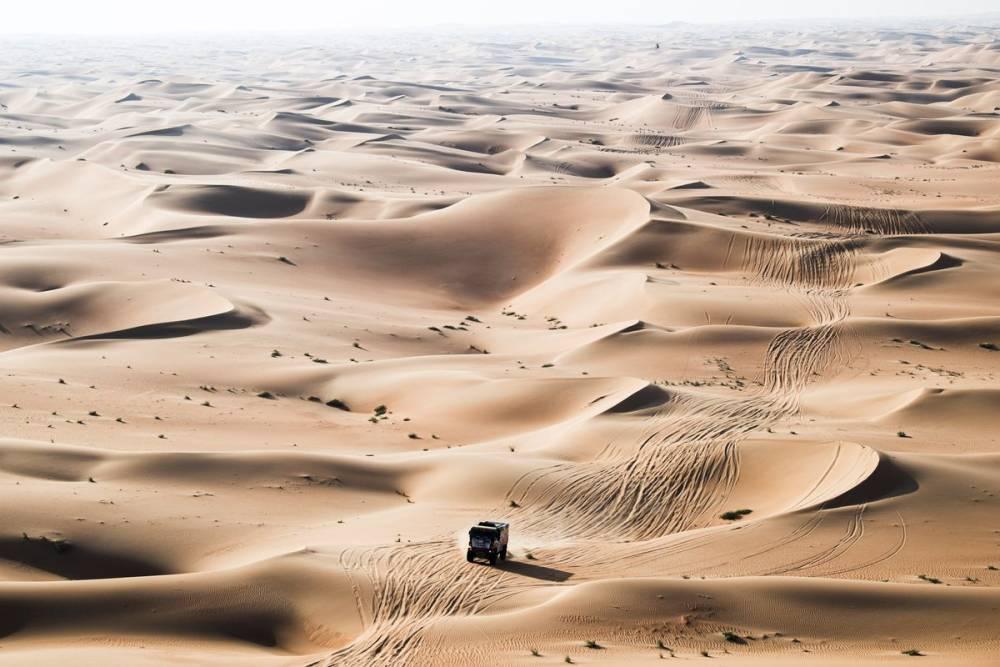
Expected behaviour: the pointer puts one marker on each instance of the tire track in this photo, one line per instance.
(681, 469)
(854, 533)
(881, 558)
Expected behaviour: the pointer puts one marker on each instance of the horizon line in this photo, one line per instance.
(483, 27)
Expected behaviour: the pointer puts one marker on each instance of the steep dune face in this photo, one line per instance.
(232, 201)
(95, 310)
(711, 317)
(484, 250)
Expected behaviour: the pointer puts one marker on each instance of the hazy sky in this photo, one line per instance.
(130, 16)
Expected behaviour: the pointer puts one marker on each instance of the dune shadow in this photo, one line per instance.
(235, 201)
(888, 480)
(182, 234)
(238, 318)
(945, 261)
(533, 570)
(74, 561)
(650, 396)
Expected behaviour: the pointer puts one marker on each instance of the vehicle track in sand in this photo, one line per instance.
(677, 476)
(875, 560)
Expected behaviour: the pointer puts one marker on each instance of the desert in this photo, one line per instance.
(709, 314)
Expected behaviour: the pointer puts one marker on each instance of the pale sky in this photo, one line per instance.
(138, 16)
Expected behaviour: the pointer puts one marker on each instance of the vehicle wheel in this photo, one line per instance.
(468, 556)
(503, 555)
(493, 559)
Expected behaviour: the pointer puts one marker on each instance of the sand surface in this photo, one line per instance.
(280, 318)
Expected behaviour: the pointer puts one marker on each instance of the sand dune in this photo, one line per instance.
(714, 324)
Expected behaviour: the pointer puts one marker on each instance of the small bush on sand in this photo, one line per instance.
(912, 651)
(590, 643)
(734, 515)
(733, 638)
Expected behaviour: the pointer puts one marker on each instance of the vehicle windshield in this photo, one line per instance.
(480, 531)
